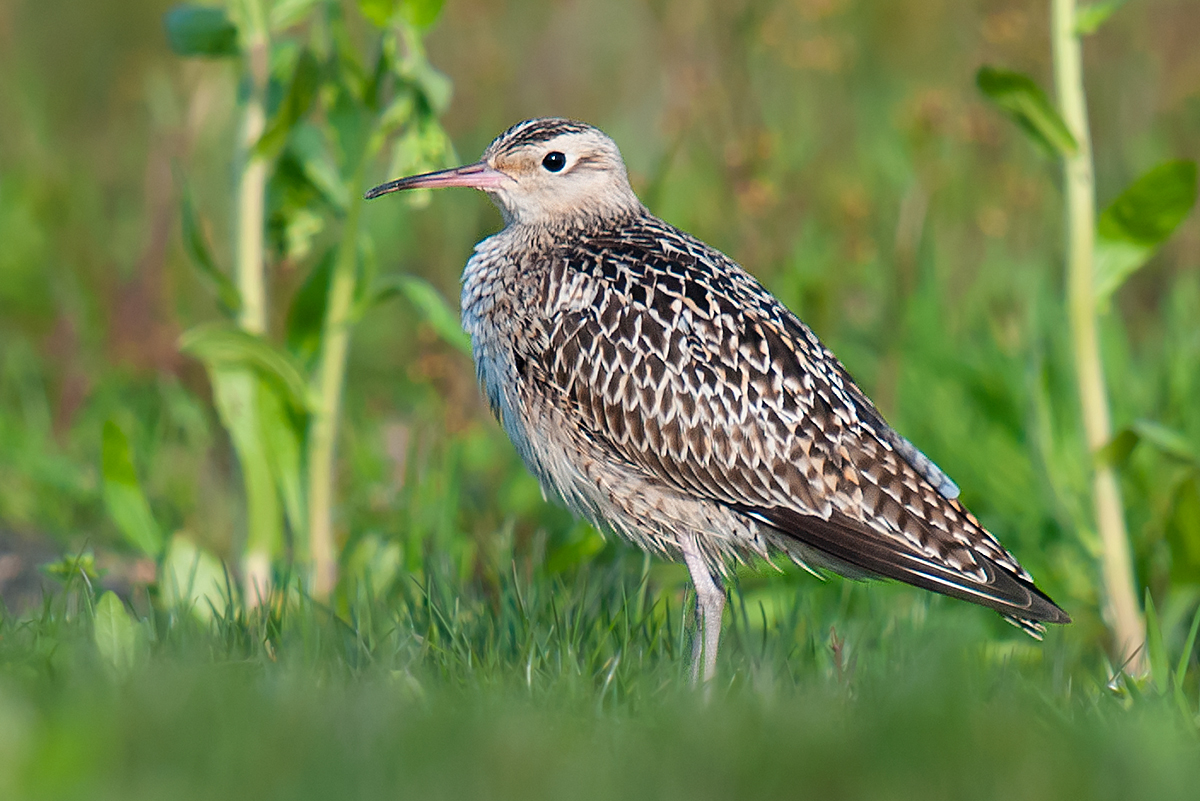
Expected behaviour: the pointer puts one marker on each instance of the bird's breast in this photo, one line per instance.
(504, 312)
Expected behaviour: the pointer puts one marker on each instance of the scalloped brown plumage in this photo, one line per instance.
(661, 392)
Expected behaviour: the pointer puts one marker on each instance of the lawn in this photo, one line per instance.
(571, 689)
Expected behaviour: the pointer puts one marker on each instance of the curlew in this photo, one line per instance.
(658, 390)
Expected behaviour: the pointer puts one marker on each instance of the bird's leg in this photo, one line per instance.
(710, 604)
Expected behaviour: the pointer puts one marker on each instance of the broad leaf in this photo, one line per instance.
(421, 13)
(236, 393)
(306, 315)
(414, 68)
(309, 148)
(378, 12)
(201, 31)
(1153, 206)
(373, 564)
(224, 345)
(431, 305)
(201, 256)
(1089, 18)
(282, 436)
(435, 86)
(1136, 224)
(351, 124)
(118, 638)
(300, 94)
(193, 578)
(398, 113)
(123, 494)
(1167, 441)
(1023, 100)
(422, 147)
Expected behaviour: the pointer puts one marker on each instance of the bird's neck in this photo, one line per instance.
(556, 229)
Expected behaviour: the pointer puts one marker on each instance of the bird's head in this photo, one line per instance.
(546, 171)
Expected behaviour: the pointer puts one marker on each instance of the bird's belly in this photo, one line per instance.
(613, 496)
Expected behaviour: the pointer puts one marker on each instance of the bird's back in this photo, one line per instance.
(654, 385)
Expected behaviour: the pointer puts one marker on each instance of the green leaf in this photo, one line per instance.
(197, 249)
(116, 635)
(201, 31)
(431, 305)
(421, 13)
(422, 147)
(309, 147)
(1117, 451)
(236, 393)
(225, 345)
(351, 124)
(415, 70)
(365, 282)
(306, 315)
(1153, 206)
(378, 12)
(349, 76)
(1156, 648)
(1023, 100)
(69, 566)
(1186, 655)
(1089, 18)
(373, 563)
(123, 494)
(193, 578)
(1167, 440)
(302, 89)
(286, 13)
(1142, 217)
(435, 86)
(1183, 529)
(398, 113)
(281, 435)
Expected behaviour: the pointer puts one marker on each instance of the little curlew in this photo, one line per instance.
(659, 391)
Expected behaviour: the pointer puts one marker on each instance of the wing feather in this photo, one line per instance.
(856, 544)
(675, 361)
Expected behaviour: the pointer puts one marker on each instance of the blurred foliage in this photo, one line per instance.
(840, 149)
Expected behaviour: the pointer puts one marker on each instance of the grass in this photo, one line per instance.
(572, 688)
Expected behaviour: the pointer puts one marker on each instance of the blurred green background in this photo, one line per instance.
(839, 149)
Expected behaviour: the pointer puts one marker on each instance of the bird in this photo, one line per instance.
(658, 390)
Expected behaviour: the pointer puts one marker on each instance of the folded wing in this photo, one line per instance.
(682, 366)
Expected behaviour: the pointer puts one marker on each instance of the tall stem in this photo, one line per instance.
(252, 182)
(1120, 596)
(262, 533)
(322, 436)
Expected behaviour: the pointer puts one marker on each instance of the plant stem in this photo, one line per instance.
(1121, 611)
(252, 182)
(261, 530)
(322, 435)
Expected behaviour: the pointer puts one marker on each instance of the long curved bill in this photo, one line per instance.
(475, 176)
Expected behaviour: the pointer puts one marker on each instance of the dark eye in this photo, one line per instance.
(554, 161)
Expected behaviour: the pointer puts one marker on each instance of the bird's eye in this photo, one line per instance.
(554, 161)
